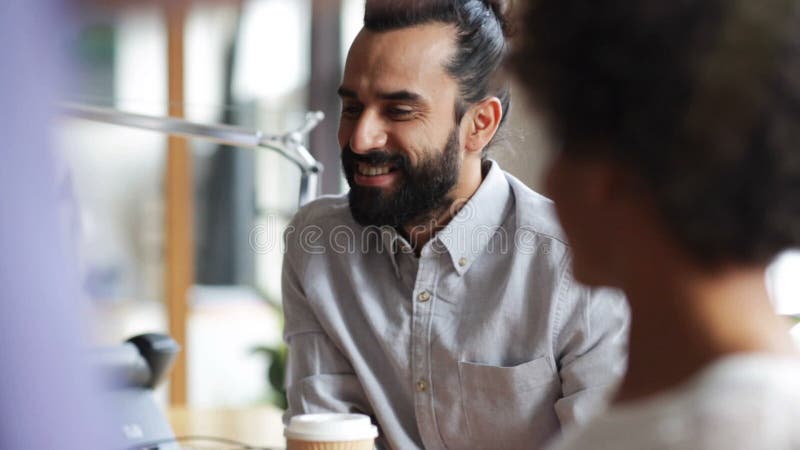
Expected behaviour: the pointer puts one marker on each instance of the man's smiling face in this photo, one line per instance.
(400, 143)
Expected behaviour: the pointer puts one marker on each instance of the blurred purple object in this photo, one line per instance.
(48, 399)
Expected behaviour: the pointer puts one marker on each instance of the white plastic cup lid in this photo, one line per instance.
(330, 428)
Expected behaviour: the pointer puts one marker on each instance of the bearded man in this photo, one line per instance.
(436, 296)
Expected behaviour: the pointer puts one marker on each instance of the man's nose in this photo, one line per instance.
(369, 133)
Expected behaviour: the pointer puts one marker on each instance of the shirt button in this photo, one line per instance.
(462, 262)
(424, 296)
(422, 386)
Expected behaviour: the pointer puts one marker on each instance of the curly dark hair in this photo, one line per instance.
(482, 31)
(699, 98)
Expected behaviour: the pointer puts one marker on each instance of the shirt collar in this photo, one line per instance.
(468, 233)
(394, 243)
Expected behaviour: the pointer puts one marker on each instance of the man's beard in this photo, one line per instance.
(420, 192)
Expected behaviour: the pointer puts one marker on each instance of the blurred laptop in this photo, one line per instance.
(132, 370)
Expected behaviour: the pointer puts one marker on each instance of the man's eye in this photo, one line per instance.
(397, 112)
(351, 110)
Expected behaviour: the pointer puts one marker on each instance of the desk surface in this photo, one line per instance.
(259, 426)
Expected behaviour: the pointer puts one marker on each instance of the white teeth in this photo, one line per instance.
(371, 171)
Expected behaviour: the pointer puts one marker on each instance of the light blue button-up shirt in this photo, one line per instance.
(483, 341)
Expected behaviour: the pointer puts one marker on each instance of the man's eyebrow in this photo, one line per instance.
(401, 95)
(346, 93)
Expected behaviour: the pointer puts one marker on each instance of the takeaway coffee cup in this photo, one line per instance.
(330, 432)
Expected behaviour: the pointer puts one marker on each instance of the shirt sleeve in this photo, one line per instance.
(319, 378)
(591, 348)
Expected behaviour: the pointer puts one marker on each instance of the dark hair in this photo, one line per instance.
(699, 98)
(482, 29)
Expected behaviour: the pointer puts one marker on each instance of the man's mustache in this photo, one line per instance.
(376, 157)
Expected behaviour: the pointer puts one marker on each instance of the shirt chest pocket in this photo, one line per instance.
(509, 407)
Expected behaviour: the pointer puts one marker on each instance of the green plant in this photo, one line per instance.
(276, 371)
(276, 359)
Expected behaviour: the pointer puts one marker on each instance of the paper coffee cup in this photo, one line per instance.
(330, 432)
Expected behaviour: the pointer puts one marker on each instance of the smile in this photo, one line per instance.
(369, 170)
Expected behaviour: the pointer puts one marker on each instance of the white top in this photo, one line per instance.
(740, 402)
(484, 341)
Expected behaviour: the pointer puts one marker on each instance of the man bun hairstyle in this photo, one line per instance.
(698, 98)
(500, 9)
(481, 41)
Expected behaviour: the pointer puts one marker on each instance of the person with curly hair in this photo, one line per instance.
(677, 179)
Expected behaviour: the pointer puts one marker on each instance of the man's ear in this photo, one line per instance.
(599, 185)
(608, 183)
(618, 191)
(482, 121)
